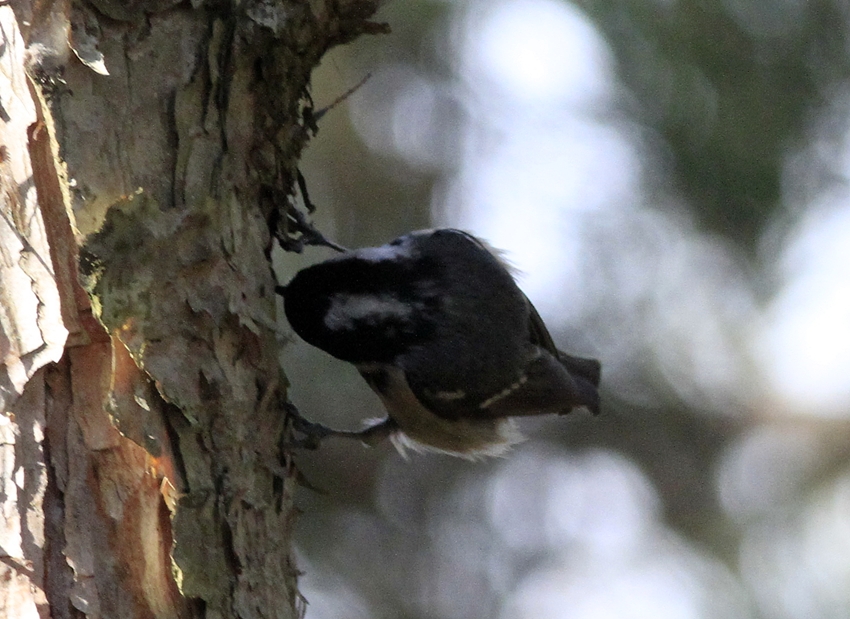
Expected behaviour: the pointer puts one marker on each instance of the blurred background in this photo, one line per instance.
(671, 177)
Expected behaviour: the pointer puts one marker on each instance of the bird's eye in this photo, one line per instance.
(397, 242)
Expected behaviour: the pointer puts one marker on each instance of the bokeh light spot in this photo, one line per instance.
(542, 50)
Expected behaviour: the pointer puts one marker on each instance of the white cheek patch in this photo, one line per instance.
(347, 310)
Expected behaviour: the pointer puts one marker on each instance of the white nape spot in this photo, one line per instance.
(384, 253)
(347, 310)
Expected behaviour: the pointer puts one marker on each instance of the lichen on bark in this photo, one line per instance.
(181, 149)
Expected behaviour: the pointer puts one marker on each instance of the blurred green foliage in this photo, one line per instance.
(729, 86)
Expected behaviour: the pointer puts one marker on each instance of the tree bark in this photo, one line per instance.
(156, 143)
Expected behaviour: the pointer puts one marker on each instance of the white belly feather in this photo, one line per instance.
(422, 430)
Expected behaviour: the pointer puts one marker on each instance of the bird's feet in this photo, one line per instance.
(309, 434)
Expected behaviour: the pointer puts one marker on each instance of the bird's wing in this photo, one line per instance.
(538, 332)
(580, 367)
(545, 386)
(551, 382)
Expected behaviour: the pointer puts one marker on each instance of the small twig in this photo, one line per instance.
(318, 115)
(297, 222)
(302, 187)
(290, 226)
(309, 234)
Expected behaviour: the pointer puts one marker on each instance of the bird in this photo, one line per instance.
(436, 324)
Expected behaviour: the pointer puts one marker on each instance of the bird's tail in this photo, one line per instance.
(588, 369)
(586, 374)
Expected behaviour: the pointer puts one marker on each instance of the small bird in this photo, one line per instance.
(439, 329)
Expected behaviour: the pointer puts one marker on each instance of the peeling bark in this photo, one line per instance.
(141, 464)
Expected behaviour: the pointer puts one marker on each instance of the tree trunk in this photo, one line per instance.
(141, 464)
